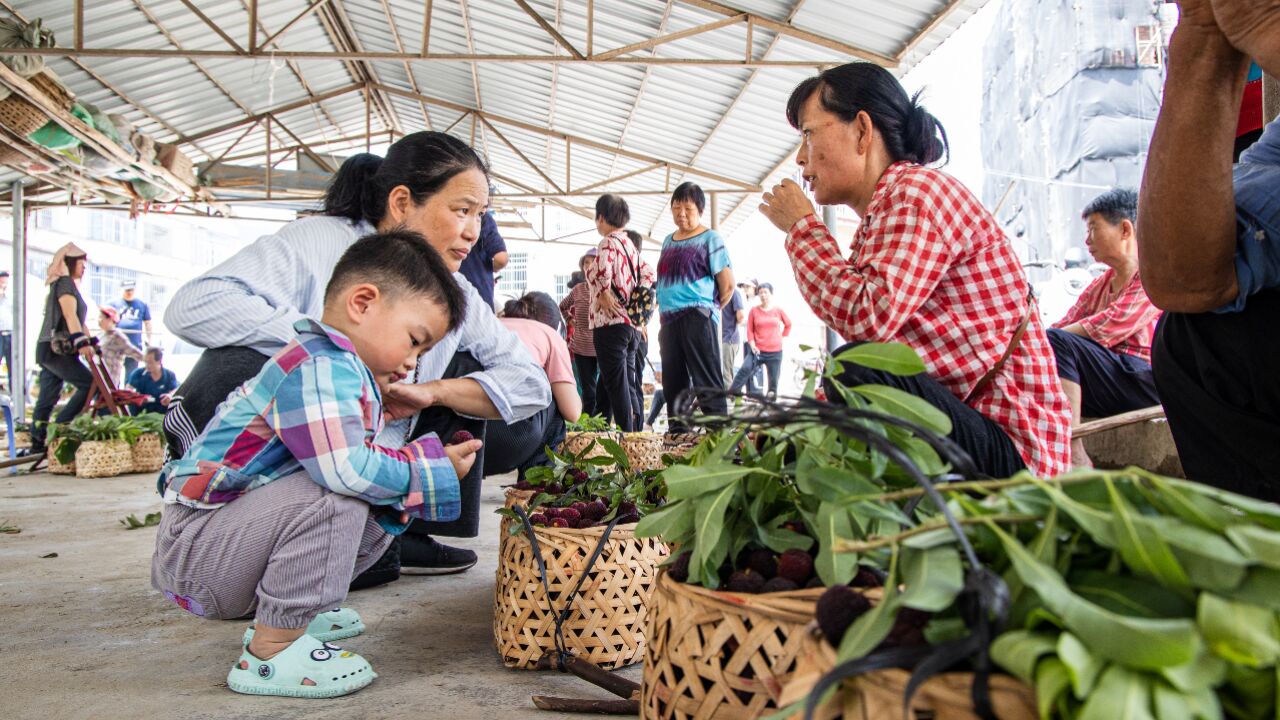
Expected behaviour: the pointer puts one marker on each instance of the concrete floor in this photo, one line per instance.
(87, 637)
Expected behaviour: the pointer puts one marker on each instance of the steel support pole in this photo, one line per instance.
(18, 291)
(829, 218)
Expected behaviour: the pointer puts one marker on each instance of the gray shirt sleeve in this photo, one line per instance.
(255, 296)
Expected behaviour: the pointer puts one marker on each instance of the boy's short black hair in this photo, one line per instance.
(690, 192)
(1115, 206)
(156, 353)
(613, 209)
(399, 262)
(636, 239)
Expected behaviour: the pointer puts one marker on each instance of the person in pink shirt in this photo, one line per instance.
(1103, 344)
(535, 319)
(767, 324)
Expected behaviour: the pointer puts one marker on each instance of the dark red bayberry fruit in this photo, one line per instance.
(837, 608)
(570, 514)
(579, 506)
(814, 582)
(538, 519)
(745, 581)
(522, 485)
(779, 584)
(796, 566)
(578, 475)
(908, 628)
(626, 508)
(629, 518)
(551, 513)
(595, 510)
(559, 523)
(554, 489)
(679, 570)
(866, 578)
(460, 437)
(763, 561)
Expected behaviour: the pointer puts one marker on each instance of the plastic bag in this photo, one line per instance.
(17, 34)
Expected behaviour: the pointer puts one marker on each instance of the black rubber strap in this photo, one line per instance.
(563, 615)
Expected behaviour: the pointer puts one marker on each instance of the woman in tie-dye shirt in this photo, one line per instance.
(695, 280)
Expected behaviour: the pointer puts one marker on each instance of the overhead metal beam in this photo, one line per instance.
(344, 55)
(297, 19)
(554, 33)
(522, 156)
(711, 192)
(408, 69)
(791, 30)
(575, 139)
(672, 37)
(933, 24)
(426, 28)
(190, 139)
(644, 83)
(302, 146)
(618, 178)
(212, 25)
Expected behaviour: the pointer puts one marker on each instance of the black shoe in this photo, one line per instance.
(386, 570)
(422, 555)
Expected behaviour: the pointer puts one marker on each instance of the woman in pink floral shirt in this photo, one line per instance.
(115, 345)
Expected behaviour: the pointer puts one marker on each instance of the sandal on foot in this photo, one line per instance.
(329, 626)
(307, 668)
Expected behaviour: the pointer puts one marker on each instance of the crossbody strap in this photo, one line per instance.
(985, 381)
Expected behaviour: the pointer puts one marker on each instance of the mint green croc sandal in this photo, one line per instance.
(329, 626)
(306, 669)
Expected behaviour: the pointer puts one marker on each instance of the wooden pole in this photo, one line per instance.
(79, 25)
(268, 163)
(253, 26)
(368, 120)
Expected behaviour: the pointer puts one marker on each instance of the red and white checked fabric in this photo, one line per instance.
(615, 267)
(1122, 321)
(931, 268)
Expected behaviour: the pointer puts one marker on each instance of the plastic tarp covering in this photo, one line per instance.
(1068, 112)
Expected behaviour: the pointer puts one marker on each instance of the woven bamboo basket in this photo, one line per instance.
(577, 442)
(22, 439)
(56, 467)
(20, 116)
(147, 453)
(53, 88)
(514, 497)
(606, 626)
(11, 156)
(103, 458)
(720, 655)
(644, 450)
(878, 695)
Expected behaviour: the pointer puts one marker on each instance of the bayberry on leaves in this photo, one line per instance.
(779, 584)
(538, 519)
(796, 566)
(745, 581)
(837, 608)
(570, 514)
(559, 523)
(763, 561)
(679, 570)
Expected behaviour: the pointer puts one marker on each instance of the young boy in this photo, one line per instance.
(284, 498)
(114, 344)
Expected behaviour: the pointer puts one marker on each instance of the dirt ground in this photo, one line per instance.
(87, 637)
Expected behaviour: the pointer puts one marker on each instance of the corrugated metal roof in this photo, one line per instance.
(725, 120)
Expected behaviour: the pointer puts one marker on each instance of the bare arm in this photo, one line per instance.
(67, 303)
(567, 400)
(500, 260)
(724, 285)
(1186, 211)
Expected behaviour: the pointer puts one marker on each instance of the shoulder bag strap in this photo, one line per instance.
(985, 381)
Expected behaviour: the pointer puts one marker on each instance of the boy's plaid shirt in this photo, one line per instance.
(931, 268)
(313, 407)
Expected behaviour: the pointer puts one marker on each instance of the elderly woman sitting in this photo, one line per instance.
(1103, 344)
(929, 268)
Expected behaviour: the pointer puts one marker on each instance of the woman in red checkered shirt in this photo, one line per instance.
(929, 267)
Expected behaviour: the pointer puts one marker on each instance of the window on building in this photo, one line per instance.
(155, 238)
(37, 266)
(562, 286)
(113, 228)
(105, 280)
(42, 219)
(515, 276)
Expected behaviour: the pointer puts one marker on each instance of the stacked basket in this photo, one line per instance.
(879, 694)
(607, 619)
(716, 654)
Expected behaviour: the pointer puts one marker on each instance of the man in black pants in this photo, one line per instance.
(1209, 250)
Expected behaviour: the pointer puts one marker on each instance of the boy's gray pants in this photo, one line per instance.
(289, 549)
